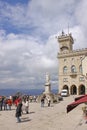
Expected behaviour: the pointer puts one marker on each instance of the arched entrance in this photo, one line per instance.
(81, 90)
(73, 90)
(66, 87)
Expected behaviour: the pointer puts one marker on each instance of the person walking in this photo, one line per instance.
(19, 111)
(42, 102)
(1, 103)
(27, 106)
(49, 101)
(5, 103)
(9, 103)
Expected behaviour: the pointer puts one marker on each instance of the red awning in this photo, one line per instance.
(79, 100)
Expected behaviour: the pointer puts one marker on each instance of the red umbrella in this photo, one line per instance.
(82, 99)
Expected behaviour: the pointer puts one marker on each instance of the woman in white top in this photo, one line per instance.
(27, 106)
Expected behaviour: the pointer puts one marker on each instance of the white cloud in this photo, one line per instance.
(21, 56)
(47, 62)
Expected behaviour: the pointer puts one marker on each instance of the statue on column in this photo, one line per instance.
(47, 84)
(47, 78)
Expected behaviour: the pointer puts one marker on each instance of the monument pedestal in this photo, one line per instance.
(47, 88)
(47, 93)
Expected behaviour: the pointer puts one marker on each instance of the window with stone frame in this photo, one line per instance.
(65, 69)
(81, 79)
(80, 68)
(73, 69)
(65, 80)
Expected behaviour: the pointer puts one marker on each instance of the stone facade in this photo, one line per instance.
(70, 71)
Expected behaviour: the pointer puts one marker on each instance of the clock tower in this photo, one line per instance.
(65, 43)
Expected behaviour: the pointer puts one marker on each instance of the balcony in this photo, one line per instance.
(73, 74)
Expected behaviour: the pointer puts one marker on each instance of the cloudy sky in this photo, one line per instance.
(28, 47)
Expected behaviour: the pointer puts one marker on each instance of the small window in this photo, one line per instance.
(81, 79)
(80, 68)
(72, 58)
(65, 80)
(73, 69)
(64, 60)
(65, 69)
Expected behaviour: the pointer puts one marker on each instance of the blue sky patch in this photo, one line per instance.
(16, 1)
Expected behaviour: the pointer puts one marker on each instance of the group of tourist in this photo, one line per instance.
(21, 106)
(43, 101)
(5, 103)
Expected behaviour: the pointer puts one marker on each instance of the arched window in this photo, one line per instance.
(65, 69)
(73, 68)
(80, 68)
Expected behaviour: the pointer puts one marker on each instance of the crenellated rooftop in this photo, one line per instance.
(73, 53)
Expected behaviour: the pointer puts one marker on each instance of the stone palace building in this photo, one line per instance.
(70, 66)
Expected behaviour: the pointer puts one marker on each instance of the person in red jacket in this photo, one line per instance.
(9, 104)
(17, 101)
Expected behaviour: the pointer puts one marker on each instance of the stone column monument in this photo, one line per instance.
(47, 84)
(47, 92)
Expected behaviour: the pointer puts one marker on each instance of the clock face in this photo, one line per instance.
(64, 44)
